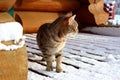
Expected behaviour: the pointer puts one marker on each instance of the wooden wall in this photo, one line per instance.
(36, 12)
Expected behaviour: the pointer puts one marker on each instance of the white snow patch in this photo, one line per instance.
(110, 57)
(11, 31)
(33, 76)
(12, 47)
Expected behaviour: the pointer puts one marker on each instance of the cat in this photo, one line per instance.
(51, 39)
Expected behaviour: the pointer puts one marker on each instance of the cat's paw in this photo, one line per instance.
(49, 69)
(58, 70)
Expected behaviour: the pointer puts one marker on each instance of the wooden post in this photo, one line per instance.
(13, 63)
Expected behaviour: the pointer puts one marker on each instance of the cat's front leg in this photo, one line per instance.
(49, 61)
(49, 66)
(59, 62)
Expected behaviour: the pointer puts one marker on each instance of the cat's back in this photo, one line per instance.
(42, 32)
(43, 27)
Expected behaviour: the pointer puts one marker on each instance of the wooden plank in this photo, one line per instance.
(49, 5)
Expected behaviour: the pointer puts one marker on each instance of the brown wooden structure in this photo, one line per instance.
(34, 13)
(91, 13)
(13, 63)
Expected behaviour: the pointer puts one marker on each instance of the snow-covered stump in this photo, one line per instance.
(13, 54)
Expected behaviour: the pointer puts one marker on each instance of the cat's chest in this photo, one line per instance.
(60, 45)
(57, 46)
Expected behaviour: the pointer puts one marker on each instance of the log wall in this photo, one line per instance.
(35, 12)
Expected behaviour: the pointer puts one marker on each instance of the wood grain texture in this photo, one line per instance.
(92, 13)
(32, 20)
(6, 4)
(49, 5)
(5, 17)
(13, 64)
(101, 17)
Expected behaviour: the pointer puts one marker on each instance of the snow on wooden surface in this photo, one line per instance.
(86, 57)
(7, 34)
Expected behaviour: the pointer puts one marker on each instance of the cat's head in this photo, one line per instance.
(72, 25)
(65, 25)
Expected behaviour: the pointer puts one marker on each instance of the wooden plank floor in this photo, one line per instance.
(82, 52)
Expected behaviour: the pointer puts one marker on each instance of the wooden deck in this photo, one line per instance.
(81, 53)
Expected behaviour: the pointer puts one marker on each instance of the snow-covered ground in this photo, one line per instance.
(112, 31)
(109, 70)
(86, 57)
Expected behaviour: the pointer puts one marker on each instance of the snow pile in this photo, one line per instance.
(11, 31)
(110, 57)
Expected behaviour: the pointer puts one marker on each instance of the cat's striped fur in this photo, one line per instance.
(51, 39)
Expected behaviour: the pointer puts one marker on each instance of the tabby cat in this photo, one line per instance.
(51, 39)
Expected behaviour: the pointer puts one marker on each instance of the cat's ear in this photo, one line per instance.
(69, 14)
(71, 19)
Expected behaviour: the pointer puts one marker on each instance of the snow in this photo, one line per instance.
(100, 71)
(110, 58)
(12, 47)
(34, 76)
(102, 63)
(11, 31)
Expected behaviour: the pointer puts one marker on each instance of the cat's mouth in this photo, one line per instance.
(74, 31)
(72, 35)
